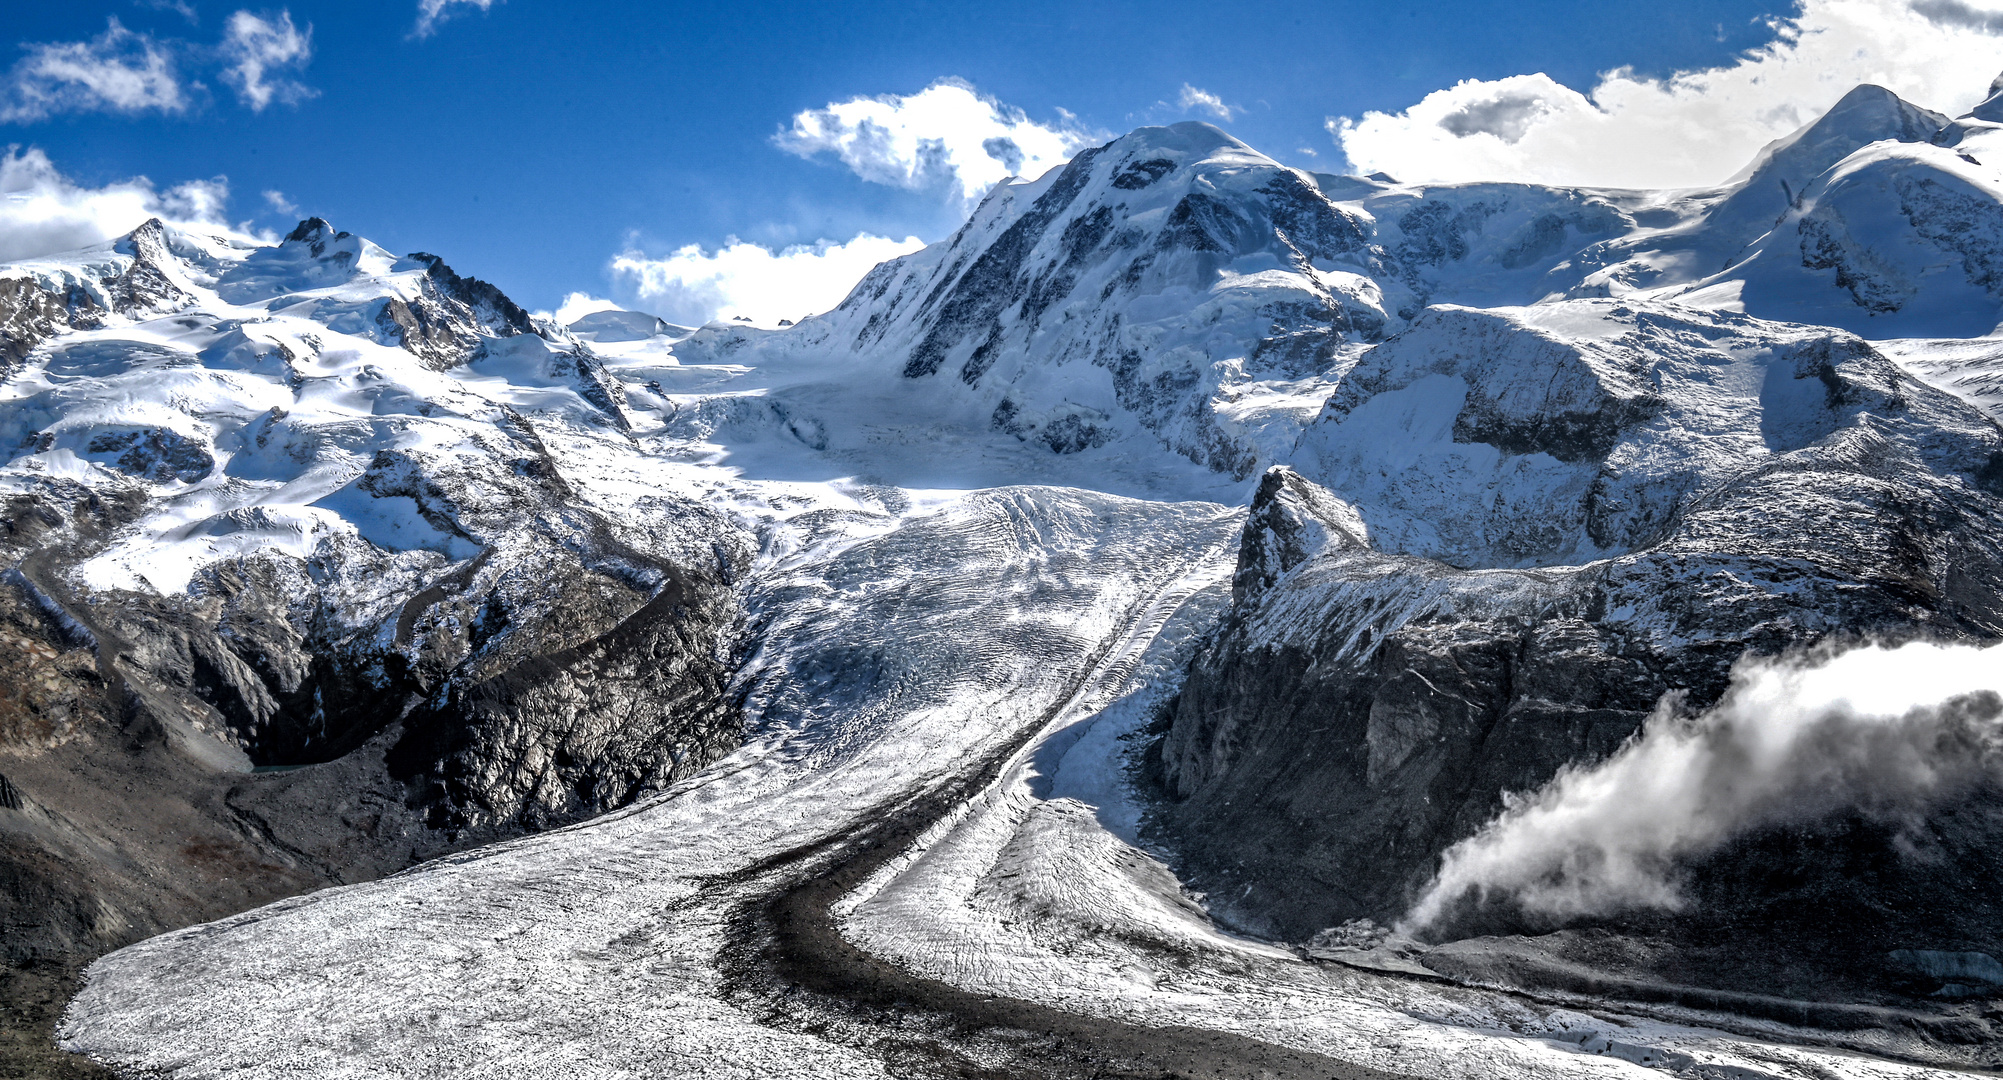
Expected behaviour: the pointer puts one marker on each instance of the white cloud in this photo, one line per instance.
(277, 201)
(1890, 734)
(432, 12)
(196, 203)
(946, 135)
(43, 212)
(1695, 127)
(742, 279)
(577, 305)
(255, 47)
(178, 7)
(1958, 13)
(127, 72)
(117, 71)
(1194, 100)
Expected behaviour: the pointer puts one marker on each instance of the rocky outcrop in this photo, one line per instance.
(450, 317)
(31, 313)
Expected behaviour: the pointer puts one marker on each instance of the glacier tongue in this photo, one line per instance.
(616, 933)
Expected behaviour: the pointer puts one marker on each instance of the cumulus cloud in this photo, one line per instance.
(432, 12)
(43, 212)
(742, 279)
(1959, 13)
(254, 47)
(1195, 100)
(1883, 732)
(1692, 128)
(116, 71)
(947, 135)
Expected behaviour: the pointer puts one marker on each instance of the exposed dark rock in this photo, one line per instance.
(31, 314)
(155, 454)
(497, 315)
(451, 316)
(976, 300)
(1291, 521)
(146, 285)
(1316, 226)
(1142, 173)
(544, 738)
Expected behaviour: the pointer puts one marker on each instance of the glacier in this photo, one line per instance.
(1029, 667)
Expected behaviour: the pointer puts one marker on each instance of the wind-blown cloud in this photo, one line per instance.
(178, 7)
(694, 286)
(116, 71)
(432, 12)
(1195, 100)
(121, 71)
(1692, 128)
(255, 47)
(1887, 733)
(947, 135)
(43, 212)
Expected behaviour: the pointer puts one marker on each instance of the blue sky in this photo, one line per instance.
(532, 142)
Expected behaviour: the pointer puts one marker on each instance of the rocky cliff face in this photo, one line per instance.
(1509, 536)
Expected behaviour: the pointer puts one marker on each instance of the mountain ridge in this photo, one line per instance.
(1348, 507)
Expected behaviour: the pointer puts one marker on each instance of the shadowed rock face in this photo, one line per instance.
(1364, 708)
(30, 314)
(474, 709)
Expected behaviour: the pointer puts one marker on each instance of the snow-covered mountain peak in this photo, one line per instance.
(313, 257)
(355, 511)
(1138, 292)
(1134, 159)
(1991, 107)
(1177, 287)
(147, 243)
(1867, 114)
(1898, 239)
(615, 326)
(1779, 176)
